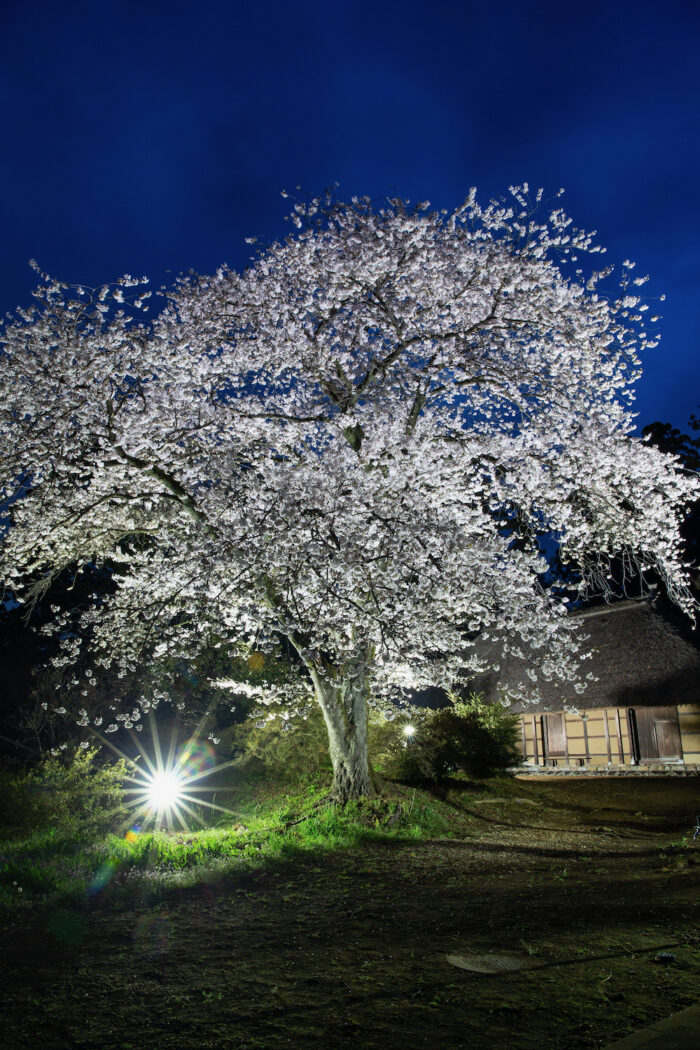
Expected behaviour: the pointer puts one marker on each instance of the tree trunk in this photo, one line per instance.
(344, 703)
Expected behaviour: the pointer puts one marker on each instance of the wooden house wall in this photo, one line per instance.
(600, 737)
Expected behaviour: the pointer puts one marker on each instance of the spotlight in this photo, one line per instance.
(164, 791)
(409, 730)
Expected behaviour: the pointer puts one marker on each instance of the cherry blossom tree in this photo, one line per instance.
(353, 445)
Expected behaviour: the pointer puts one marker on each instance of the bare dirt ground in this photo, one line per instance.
(588, 880)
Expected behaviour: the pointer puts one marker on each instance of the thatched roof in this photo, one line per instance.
(639, 657)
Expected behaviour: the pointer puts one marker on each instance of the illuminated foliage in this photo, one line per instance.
(322, 449)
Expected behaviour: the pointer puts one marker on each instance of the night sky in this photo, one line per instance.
(152, 137)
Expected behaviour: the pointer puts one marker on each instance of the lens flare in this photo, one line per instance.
(169, 788)
(164, 791)
(198, 756)
(409, 730)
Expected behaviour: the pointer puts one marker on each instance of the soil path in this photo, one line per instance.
(581, 878)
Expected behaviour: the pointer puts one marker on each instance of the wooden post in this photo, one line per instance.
(584, 719)
(607, 735)
(534, 741)
(524, 738)
(633, 738)
(619, 736)
(566, 741)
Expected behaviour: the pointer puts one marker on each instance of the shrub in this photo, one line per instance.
(66, 795)
(287, 750)
(471, 736)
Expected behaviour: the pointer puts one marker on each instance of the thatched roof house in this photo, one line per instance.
(643, 706)
(637, 656)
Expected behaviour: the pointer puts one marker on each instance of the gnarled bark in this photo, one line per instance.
(345, 710)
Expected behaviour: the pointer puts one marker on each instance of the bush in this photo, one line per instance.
(65, 795)
(471, 736)
(287, 750)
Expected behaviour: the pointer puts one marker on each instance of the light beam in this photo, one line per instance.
(164, 791)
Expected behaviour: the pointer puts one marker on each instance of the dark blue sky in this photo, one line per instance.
(146, 137)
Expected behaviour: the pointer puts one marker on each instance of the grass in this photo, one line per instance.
(72, 862)
(333, 926)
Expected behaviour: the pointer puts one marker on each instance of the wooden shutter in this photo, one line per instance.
(658, 733)
(554, 736)
(668, 737)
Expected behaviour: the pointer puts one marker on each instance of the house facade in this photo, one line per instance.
(642, 710)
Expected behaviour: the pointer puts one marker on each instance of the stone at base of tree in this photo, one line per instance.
(395, 816)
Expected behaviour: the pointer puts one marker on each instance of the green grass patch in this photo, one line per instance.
(268, 825)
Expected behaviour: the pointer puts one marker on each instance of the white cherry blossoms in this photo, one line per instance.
(355, 444)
